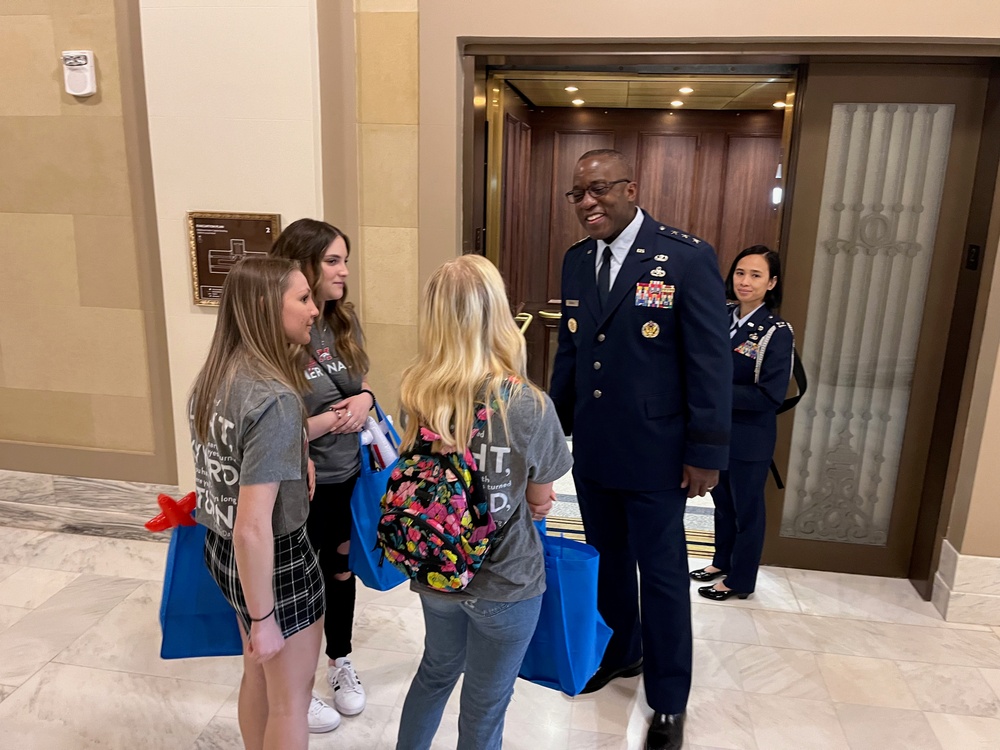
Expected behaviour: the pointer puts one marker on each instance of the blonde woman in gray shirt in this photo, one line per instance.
(471, 356)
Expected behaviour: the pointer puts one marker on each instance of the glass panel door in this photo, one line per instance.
(885, 172)
(883, 179)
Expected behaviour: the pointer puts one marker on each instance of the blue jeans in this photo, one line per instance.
(486, 640)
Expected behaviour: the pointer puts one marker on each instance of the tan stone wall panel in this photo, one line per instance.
(28, 67)
(25, 7)
(80, 7)
(38, 262)
(387, 6)
(40, 416)
(390, 258)
(392, 348)
(64, 165)
(122, 423)
(106, 262)
(389, 175)
(75, 349)
(387, 68)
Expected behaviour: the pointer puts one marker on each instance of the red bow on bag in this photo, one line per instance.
(175, 513)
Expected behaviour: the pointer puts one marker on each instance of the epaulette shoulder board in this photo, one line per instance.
(780, 324)
(676, 234)
(577, 243)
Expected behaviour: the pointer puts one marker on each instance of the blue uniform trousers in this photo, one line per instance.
(630, 528)
(740, 522)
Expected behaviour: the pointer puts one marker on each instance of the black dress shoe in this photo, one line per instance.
(604, 675)
(666, 732)
(710, 592)
(704, 576)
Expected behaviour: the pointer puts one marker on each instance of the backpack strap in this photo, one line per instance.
(801, 383)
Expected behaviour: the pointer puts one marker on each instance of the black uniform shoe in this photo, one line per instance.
(703, 574)
(604, 675)
(710, 592)
(666, 732)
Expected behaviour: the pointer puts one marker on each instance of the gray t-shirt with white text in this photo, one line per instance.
(256, 436)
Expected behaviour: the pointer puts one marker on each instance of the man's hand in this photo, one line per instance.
(699, 481)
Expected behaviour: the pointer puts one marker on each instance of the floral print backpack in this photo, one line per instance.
(436, 525)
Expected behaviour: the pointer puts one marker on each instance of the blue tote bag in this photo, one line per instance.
(364, 560)
(571, 635)
(195, 617)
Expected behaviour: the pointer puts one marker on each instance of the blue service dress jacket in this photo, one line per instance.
(762, 368)
(644, 385)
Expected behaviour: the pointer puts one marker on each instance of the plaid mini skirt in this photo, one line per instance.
(299, 596)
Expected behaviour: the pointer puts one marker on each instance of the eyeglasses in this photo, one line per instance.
(596, 190)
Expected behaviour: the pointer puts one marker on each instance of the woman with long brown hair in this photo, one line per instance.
(337, 403)
(251, 476)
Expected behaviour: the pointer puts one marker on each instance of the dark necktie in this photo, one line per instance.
(604, 277)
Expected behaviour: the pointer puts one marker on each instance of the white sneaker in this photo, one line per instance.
(322, 717)
(348, 695)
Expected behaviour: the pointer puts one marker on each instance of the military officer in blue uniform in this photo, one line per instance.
(643, 381)
(761, 345)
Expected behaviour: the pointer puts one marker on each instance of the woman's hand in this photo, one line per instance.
(540, 498)
(266, 640)
(351, 413)
(311, 478)
(540, 511)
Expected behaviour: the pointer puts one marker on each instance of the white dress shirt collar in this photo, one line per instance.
(620, 245)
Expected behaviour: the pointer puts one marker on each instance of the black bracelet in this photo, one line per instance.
(261, 619)
(365, 390)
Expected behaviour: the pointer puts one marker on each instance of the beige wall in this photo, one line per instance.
(974, 525)
(233, 126)
(81, 391)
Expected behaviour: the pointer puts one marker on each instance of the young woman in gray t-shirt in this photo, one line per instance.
(337, 402)
(251, 476)
(471, 355)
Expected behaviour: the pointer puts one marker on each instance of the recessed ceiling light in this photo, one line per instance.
(496, 91)
(571, 89)
(686, 90)
(779, 105)
(676, 103)
(578, 102)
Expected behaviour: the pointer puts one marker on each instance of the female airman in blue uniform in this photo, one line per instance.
(762, 345)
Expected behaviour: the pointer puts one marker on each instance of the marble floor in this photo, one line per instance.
(813, 661)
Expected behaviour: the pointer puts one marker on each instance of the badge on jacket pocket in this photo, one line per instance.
(748, 349)
(654, 294)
